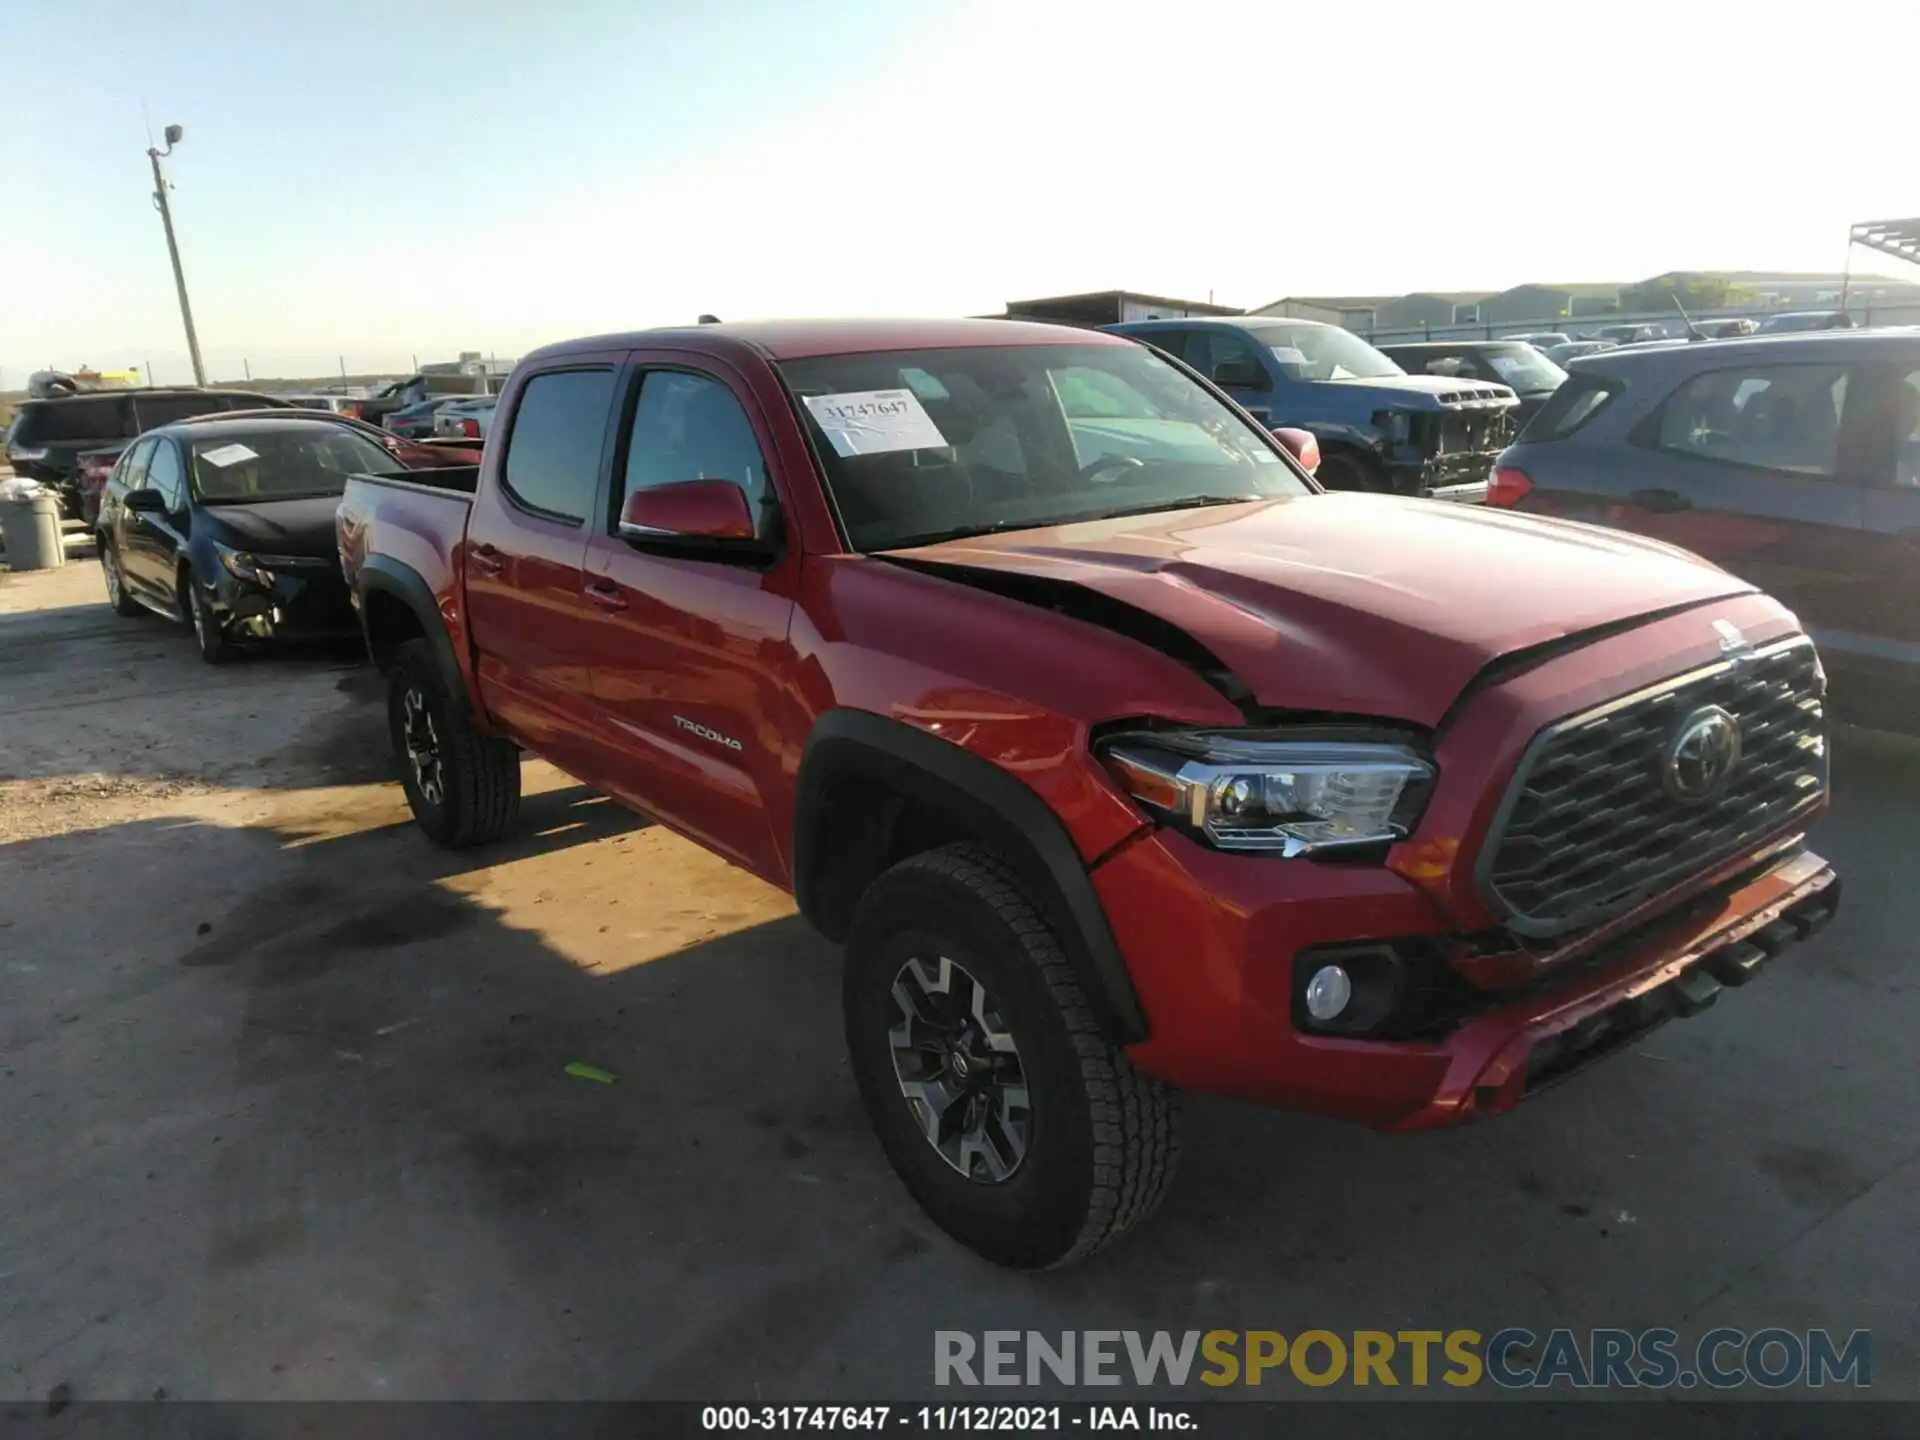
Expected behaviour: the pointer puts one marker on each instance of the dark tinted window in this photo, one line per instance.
(1773, 417)
(166, 474)
(689, 427)
(91, 417)
(153, 411)
(133, 474)
(1226, 358)
(1173, 342)
(1572, 405)
(553, 456)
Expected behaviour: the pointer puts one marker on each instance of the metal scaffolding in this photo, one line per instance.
(1898, 238)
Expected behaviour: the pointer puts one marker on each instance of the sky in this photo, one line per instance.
(411, 178)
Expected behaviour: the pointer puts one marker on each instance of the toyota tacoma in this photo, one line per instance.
(1121, 757)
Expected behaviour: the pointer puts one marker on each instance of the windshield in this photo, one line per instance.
(1325, 352)
(926, 445)
(1526, 369)
(282, 464)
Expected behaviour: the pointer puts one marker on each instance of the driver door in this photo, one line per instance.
(155, 538)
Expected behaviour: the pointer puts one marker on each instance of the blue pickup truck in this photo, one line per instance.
(1379, 428)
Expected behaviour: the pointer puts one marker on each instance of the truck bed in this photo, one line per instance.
(415, 520)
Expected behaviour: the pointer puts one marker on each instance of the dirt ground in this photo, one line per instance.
(284, 1110)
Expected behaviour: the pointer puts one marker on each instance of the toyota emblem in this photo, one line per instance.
(1704, 751)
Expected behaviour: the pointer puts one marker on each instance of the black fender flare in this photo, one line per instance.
(987, 802)
(383, 575)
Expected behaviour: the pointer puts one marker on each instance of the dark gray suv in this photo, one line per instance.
(1792, 461)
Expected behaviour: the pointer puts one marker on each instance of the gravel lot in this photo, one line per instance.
(283, 1111)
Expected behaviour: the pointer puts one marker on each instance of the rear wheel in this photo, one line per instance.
(117, 596)
(1001, 1104)
(463, 786)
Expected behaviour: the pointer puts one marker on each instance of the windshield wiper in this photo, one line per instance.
(1185, 502)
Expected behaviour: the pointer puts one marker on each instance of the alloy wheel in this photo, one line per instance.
(423, 747)
(959, 1070)
(111, 564)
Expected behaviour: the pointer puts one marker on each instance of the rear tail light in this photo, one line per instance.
(1510, 487)
(470, 429)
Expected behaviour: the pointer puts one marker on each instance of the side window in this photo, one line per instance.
(1775, 417)
(690, 427)
(133, 474)
(165, 474)
(1906, 431)
(553, 456)
(1229, 360)
(1172, 342)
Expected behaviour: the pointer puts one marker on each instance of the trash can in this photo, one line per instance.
(32, 530)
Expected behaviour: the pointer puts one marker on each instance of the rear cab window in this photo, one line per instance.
(1574, 404)
(552, 465)
(88, 417)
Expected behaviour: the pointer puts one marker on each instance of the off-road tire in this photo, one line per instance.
(116, 581)
(213, 646)
(480, 774)
(1104, 1139)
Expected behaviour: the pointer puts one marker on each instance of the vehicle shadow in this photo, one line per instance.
(290, 1116)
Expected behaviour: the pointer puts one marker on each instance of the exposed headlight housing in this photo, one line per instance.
(1272, 794)
(1395, 425)
(242, 566)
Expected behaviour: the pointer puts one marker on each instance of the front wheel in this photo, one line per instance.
(1349, 472)
(463, 786)
(207, 634)
(1018, 1126)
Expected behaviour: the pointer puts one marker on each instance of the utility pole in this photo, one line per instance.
(174, 134)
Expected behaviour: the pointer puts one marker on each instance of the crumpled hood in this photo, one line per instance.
(1357, 604)
(276, 527)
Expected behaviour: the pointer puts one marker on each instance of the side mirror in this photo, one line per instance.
(688, 510)
(1240, 375)
(149, 502)
(1301, 445)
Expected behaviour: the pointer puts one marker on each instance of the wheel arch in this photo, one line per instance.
(397, 605)
(873, 791)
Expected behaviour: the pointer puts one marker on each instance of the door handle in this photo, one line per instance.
(607, 597)
(1664, 501)
(486, 559)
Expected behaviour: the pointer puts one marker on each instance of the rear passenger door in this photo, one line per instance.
(1882, 628)
(124, 526)
(689, 640)
(526, 539)
(1760, 468)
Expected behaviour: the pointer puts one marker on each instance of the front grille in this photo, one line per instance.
(1589, 827)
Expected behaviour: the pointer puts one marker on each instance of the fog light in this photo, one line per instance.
(1328, 993)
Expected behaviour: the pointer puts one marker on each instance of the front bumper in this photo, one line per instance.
(1222, 1020)
(310, 603)
(1210, 940)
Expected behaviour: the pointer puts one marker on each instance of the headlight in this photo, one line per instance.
(1395, 425)
(242, 566)
(1272, 794)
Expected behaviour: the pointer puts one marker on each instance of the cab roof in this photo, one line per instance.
(799, 339)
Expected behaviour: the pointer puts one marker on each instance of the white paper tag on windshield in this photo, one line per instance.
(1288, 354)
(872, 422)
(225, 455)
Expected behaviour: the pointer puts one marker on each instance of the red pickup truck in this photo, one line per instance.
(1120, 756)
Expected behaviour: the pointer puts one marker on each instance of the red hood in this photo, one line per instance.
(1356, 604)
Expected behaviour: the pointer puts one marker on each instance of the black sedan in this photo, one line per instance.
(227, 525)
